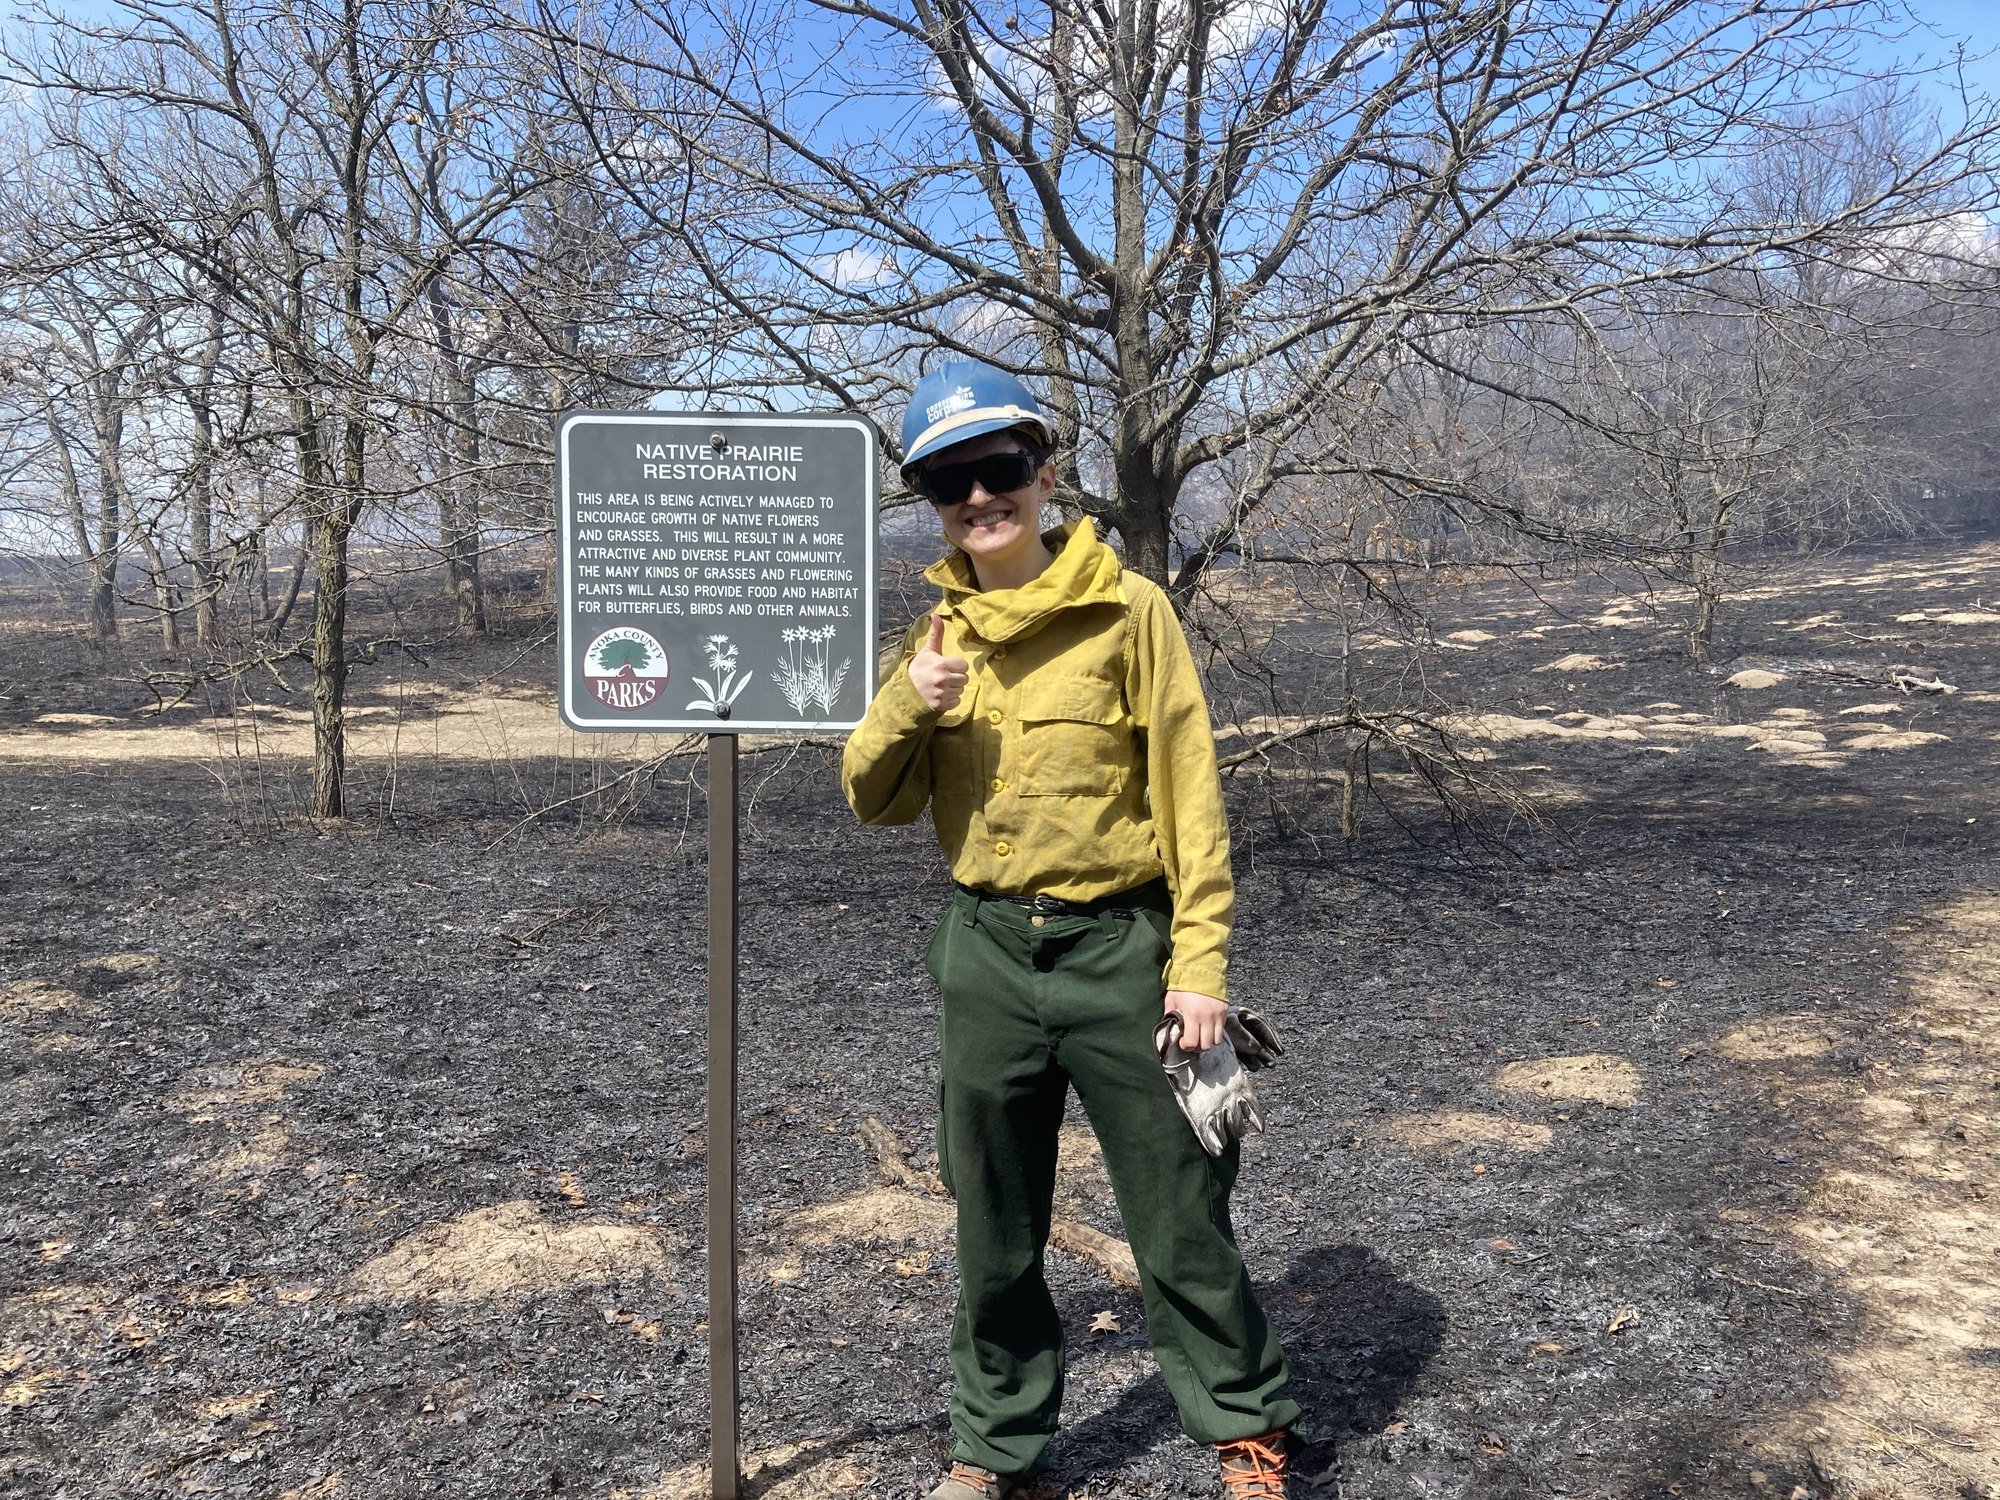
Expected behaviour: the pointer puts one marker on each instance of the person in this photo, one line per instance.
(1049, 714)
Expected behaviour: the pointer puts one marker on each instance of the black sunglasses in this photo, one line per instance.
(997, 474)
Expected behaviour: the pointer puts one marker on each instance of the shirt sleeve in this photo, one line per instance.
(885, 768)
(1185, 792)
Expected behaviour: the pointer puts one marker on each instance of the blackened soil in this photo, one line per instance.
(319, 1044)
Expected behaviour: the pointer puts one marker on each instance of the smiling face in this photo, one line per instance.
(1000, 533)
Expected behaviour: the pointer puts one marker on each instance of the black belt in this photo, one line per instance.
(1152, 893)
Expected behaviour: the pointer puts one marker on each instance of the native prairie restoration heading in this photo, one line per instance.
(769, 463)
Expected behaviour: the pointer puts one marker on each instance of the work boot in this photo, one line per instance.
(970, 1482)
(1255, 1468)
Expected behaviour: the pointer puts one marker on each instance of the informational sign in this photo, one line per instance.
(718, 570)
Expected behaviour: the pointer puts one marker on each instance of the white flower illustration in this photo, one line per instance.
(805, 675)
(727, 686)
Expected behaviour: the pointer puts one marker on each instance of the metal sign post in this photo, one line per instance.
(723, 1399)
(718, 576)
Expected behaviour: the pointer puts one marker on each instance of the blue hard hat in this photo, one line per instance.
(963, 400)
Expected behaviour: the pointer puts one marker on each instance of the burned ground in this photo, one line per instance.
(1654, 1157)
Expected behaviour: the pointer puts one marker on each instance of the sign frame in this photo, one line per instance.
(727, 424)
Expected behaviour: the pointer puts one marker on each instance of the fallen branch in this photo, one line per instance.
(1909, 682)
(536, 933)
(1310, 727)
(1111, 1256)
(691, 744)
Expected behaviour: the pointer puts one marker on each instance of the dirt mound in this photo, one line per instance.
(506, 1251)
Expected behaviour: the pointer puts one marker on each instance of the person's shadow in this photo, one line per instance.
(1357, 1336)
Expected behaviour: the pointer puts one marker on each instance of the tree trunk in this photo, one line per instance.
(329, 659)
(458, 506)
(276, 622)
(1144, 535)
(163, 592)
(1704, 624)
(101, 560)
(201, 536)
(461, 562)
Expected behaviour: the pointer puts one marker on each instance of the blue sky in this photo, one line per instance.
(1976, 21)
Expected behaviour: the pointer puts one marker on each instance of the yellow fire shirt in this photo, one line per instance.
(1080, 761)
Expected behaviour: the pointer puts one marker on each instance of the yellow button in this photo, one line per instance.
(999, 785)
(1039, 921)
(994, 716)
(1003, 848)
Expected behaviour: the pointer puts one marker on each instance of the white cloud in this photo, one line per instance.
(854, 268)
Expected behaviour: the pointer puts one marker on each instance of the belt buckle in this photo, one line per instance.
(1048, 905)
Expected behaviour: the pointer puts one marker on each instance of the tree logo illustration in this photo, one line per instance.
(625, 668)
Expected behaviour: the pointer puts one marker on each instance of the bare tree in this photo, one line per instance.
(323, 176)
(1203, 228)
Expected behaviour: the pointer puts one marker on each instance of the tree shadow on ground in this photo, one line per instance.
(1357, 1335)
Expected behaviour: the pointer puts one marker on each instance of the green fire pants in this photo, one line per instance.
(1032, 1005)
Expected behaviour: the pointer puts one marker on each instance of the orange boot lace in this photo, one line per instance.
(1254, 1468)
(985, 1481)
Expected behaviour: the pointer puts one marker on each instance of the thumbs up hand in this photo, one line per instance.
(938, 679)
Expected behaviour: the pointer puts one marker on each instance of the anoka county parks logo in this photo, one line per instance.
(625, 668)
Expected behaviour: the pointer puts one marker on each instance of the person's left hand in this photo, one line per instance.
(1201, 1018)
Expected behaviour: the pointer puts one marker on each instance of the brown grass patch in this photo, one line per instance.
(1776, 1039)
(1753, 679)
(816, 1469)
(884, 1213)
(506, 1251)
(118, 968)
(259, 1080)
(1465, 1129)
(1577, 661)
(1895, 739)
(1587, 1078)
(1906, 1219)
(28, 1000)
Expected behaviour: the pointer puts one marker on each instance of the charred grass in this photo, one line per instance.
(1654, 1157)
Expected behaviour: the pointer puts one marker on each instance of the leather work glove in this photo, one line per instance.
(1213, 1087)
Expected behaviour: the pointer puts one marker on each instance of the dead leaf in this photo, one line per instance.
(1625, 1317)
(1502, 1245)
(1395, 1427)
(1489, 1442)
(572, 1190)
(1106, 1322)
(1548, 1347)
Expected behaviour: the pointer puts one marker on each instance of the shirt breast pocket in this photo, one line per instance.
(1076, 739)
